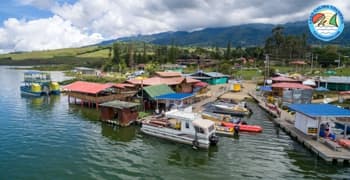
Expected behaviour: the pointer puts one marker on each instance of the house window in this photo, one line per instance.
(187, 125)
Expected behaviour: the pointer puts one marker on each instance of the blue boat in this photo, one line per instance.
(37, 83)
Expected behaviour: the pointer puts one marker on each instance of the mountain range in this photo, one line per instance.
(240, 35)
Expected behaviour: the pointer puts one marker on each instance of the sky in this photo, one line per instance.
(27, 25)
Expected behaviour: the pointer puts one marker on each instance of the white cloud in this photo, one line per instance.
(42, 34)
(38, 3)
(87, 21)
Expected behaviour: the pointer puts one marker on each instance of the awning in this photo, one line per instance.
(320, 110)
(174, 96)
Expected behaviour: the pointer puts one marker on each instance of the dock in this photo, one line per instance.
(285, 121)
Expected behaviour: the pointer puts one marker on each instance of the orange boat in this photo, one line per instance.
(244, 127)
(344, 142)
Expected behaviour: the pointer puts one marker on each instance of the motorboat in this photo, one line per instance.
(183, 127)
(228, 108)
(227, 124)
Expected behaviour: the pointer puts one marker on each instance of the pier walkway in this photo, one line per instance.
(286, 121)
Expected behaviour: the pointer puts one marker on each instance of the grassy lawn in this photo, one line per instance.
(72, 52)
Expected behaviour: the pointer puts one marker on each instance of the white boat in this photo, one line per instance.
(234, 109)
(183, 127)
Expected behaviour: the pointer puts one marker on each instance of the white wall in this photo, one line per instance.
(303, 122)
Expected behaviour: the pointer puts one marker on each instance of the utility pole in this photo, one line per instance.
(267, 69)
(312, 61)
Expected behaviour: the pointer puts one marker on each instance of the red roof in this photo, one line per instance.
(201, 84)
(168, 74)
(159, 80)
(344, 92)
(122, 85)
(290, 85)
(284, 79)
(299, 62)
(87, 87)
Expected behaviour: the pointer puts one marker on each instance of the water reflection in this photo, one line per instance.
(41, 102)
(318, 168)
(189, 157)
(124, 134)
(90, 114)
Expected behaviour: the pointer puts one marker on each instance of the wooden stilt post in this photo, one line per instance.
(318, 128)
(345, 131)
(75, 100)
(68, 99)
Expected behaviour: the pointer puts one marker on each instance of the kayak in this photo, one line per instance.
(244, 127)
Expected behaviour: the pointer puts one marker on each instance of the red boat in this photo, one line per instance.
(244, 127)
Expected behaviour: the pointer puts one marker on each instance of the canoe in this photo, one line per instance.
(244, 127)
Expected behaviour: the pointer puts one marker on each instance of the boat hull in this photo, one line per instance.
(174, 135)
(26, 91)
(244, 127)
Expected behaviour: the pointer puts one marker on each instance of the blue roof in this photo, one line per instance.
(266, 88)
(320, 110)
(174, 96)
(34, 72)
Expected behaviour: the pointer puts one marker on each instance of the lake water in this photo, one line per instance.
(45, 138)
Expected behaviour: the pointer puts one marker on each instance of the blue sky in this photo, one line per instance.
(13, 9)
(27, 25)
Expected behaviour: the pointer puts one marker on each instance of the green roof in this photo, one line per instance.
(119, 104)
(158, 90)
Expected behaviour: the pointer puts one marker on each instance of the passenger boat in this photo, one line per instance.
(225, 124)
(183, 127)
(37, 83)
(228, 108)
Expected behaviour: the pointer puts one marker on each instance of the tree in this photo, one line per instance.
(228, 51)
(116, 53)
(131, 55)
(144, 55)
(152, 67)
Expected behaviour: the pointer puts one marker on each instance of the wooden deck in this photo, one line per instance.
(286, 122)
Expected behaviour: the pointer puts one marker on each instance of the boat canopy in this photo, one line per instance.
(202, 123)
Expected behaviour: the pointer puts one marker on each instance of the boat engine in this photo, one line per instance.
(213, 139)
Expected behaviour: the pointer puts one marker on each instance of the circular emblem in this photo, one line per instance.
(326, 22)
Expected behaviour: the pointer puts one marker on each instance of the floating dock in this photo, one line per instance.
(285, 121)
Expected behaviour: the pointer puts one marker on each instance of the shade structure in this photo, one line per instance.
(320, 110)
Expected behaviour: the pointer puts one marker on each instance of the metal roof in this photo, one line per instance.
(87, 87)
(320, 110)
(174, 96)
(119, 104)
(157, 90)
(266, 88)
(336, 79)
(290, 85)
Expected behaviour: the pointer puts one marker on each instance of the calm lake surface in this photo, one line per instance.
(45, 138)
